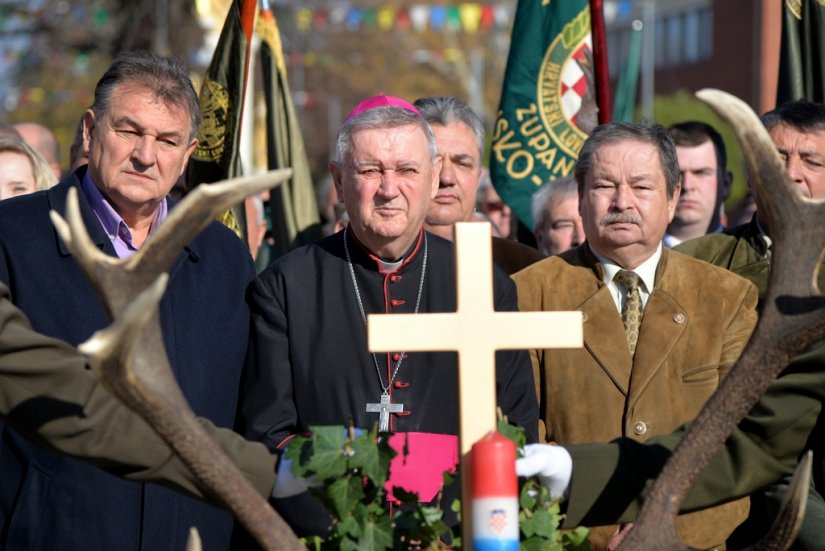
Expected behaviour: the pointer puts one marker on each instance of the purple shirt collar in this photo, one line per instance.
(114, 226)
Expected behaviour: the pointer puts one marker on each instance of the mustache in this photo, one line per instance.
(620, 218)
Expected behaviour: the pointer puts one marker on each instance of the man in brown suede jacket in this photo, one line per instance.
(644, 377)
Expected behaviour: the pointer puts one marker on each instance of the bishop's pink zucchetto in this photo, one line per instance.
(382, 100)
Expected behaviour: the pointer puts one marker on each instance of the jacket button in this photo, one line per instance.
(396, 302)
(396, 357)
(639, 428)
(395, 277)
(400, 384)
(679, 318)
(584, 317)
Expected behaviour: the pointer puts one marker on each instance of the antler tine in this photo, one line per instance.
(73, 232)
(109, 348)
(792, 318)
(193, 542)
(197, 210)
(144, 380)
(787, 524)
(159, 401)
(761, 155)
(777, 197)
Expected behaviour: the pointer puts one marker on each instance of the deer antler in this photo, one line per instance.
(792, 318)
(131, 359)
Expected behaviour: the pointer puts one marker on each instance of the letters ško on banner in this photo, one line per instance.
(548, 100)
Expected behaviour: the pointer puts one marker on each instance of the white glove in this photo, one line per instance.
(551, 463)
(287, 484)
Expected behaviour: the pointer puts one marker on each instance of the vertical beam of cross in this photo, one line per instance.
(475, 331)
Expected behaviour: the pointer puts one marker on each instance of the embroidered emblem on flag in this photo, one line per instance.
(574, 81)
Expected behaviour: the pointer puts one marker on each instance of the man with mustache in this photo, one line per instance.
(660, 328)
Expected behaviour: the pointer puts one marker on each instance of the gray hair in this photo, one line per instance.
(645, 132)
(166, 77)
(445, 110)
(44, 178)
(550, 192)
(380, 118)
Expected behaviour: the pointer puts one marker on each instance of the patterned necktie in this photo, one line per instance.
(632, 311)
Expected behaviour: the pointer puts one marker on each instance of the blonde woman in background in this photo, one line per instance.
(22, 169)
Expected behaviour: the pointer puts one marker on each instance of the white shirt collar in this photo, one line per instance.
(646, 272)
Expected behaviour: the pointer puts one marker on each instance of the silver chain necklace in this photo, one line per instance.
(385, 407)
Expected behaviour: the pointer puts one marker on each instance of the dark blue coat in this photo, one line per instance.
(49, 502)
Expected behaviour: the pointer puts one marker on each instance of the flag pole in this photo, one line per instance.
(600, 67)
(249, 9)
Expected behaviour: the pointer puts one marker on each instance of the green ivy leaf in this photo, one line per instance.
(527, 496)
(343, 494)
(313, 543)
(327, 459)
(349, 527)
(376, 535)
(368, 457)
(431, 515)
(514, 433)
(576, 539)
(299, 451)
(455, 506)
(382, 532)
(403, 495)
(539, 544)
(544, 523)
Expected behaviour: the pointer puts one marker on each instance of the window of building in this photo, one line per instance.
(681, 36)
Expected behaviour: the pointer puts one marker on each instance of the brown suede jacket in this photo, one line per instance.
(696, 323)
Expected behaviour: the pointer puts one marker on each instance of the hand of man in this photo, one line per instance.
(551, 463)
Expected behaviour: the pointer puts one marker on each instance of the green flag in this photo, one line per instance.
(293, 208)
(801, 71)
(624, 104)
(548, 100)
(221, 99)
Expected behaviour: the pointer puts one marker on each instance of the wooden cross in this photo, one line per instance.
(475, 331)
(383, 409)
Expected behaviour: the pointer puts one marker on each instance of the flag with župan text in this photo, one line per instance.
(548, 100)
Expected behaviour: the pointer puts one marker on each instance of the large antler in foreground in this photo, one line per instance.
(792, 318)
(132, 360)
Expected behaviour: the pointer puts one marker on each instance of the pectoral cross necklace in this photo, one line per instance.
(385, 407)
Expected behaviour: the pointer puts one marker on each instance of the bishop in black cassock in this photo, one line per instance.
(309, 363)
(308, 359)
